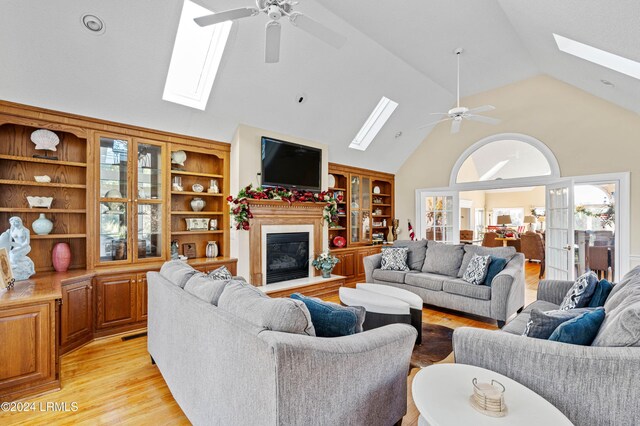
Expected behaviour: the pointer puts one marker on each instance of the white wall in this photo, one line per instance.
(245, 165)
(586, 134)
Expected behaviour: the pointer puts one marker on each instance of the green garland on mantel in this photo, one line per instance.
(241, 213)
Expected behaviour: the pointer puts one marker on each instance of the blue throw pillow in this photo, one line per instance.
(332, 320)
(496, 266)
(580, 330)
(603, 288)
(542, 324)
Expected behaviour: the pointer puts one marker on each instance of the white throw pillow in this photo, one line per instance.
(477, 269)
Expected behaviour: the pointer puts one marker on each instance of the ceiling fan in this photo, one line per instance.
(459, 113)
(276, 9)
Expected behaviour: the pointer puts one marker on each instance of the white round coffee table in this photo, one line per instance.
(441, 394)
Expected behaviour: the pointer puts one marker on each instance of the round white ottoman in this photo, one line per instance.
(414, 301)
(381, 309)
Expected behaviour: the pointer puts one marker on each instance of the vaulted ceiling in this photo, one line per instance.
(402, 50)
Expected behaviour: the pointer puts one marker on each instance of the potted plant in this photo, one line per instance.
(325, 263)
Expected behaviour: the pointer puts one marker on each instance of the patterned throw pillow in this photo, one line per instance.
(394, 259)
(222, 273)
(477, 269)
(581, 292)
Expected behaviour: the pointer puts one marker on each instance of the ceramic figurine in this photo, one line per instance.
(178, 158)
(16, 240)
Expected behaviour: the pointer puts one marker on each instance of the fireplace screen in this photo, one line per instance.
(287, 256)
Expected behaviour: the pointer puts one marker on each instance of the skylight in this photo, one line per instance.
(196, 58)
(374, 123)
(597, 56)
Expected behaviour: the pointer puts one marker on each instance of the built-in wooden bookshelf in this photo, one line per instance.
(202, 167)
(68, 173)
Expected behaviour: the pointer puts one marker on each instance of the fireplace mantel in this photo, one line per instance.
(272, 212)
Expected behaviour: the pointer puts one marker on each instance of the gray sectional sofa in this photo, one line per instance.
(435, 276)
(591, 385)
(224, 366)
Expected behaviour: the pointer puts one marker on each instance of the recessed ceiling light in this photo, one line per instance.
(598, 56)
(93, 23)
(607, 83)
(374, 123)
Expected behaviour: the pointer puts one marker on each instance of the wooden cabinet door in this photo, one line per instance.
(76, 314)
(116, 300)
(141, 297)
(360, 255)
(27, 348)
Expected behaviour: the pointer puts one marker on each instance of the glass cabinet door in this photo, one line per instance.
(366, 209)
(356, 218)
(149, 221)
(114, 202)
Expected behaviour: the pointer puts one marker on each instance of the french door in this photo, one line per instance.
(439, 216)
(559, 238)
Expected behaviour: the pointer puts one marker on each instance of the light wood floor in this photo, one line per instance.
(113, 382)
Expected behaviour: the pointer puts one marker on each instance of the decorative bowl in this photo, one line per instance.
(339, 241)
(40, 202)
(197, 224)
(42, 179)
(197, 187)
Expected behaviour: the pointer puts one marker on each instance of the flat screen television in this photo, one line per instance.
(291, 165)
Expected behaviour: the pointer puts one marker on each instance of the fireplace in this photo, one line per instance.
(287, 256)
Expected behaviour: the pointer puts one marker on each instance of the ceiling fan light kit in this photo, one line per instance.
(459, 113)
(276, 9)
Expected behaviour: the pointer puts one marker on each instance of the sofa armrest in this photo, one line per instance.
(553, 290)
(507, 289)
(590, 385)
(370, 264)
(357, 379)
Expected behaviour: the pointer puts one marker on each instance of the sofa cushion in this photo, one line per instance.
(416, 254)
(618, 295)
(470, 250)
(443, 259)
(389, 276)
(463, 288)
(517, 325)
(205, 288)
(496, 266)
(621, 326)
(177, 271)
(580, 330)
(222, 273)
(603, 288)
(332, 320)
(543, 305)
(278, 314)
(425, 280)
(394, 259)
(542, 324)
(477, 269)
(580, 293)
(630, 278)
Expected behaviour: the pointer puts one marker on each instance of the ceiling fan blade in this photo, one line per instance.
(433, 123)
(482, 119)
(227, 15)
(272, 42)
(317, 29)
(483, 108)
(438, 113)
(455, 125)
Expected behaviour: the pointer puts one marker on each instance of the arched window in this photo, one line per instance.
(505, 157)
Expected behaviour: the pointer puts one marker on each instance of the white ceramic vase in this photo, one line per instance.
(42, 225)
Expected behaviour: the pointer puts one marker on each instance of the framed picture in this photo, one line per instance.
(189, 250)
(6, 274)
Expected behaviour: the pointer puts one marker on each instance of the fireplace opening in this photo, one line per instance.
(287, 256)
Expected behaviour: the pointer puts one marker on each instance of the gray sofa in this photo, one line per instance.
(225, 370)
(435, 276)
(591, 385)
